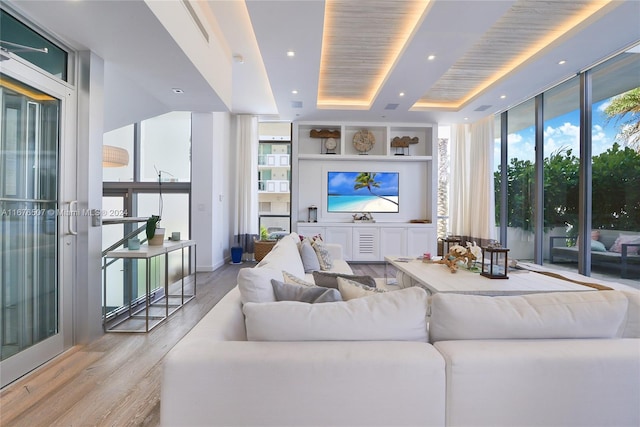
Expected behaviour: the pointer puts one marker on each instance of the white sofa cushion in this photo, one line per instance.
(285, 256)
(591, 314)
(631, 326)
(542, 383)
(391, 316)
(255, 284)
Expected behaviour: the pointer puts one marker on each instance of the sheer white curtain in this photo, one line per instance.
(246, 182)
(459, 187)
(472, 207)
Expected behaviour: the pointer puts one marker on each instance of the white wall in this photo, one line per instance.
(210, 198)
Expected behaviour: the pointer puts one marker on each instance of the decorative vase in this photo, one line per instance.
(158, 238)
(133, 244)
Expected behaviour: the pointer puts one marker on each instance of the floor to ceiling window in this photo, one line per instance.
(604, 207)
(274, 178)
(152, 176)
(561, 122)
(615, 142)
(520, 180)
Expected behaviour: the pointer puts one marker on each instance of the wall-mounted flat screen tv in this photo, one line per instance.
(363, 192)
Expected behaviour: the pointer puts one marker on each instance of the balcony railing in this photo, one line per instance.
(273, 186)
(274, 160)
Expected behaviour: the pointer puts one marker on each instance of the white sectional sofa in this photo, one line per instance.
(563, 359)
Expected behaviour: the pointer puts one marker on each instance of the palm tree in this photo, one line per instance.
(368, 180)
(626, 109)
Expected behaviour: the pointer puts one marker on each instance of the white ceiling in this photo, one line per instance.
(143, 62)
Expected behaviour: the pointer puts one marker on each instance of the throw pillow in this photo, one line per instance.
(324, 257)
(255, 284)
(309, 257)
(625, 238)
(330, 280)
(294, 280)
(597, 246)
(308, 294)
(392, 316)
(350, 289)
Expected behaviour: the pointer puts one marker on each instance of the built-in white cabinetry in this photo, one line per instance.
(366, 244)
(393, 240)
(321, 148)
(421, 240)
(343, 236)
(372, 242)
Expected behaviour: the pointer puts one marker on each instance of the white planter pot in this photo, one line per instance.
(158, 238)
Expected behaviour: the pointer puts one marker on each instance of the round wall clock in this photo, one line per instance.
(363, 141)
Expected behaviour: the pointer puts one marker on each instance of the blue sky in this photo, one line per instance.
(563, 132)
(343, 182)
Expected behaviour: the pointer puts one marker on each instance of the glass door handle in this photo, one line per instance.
(73, 205)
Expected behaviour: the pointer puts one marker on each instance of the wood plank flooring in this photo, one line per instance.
(115, 380)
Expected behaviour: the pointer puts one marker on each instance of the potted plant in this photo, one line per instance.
(263, 246)
(155, 234)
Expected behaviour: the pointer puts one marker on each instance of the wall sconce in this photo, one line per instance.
(114, 157)
(313, 213)
(494, 262)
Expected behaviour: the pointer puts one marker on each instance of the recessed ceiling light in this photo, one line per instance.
(294, 91)
(431, 57)
(401, 94)
(562, 62)
(177, 90)
(291, 53)
(466, 118)
(503, 96)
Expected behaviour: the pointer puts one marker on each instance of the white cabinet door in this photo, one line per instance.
(366, 244)
(342, 236)
(421, 240)
(393, 241)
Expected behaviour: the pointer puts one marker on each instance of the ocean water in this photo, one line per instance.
(366, 203)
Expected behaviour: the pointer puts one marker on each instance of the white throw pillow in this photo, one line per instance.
(350, 289)
(590, 314)
(390, 316)
(284, 256)
(255, 284)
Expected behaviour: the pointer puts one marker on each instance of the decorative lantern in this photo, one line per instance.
(448, 242)
(494, 262)
(313, 213)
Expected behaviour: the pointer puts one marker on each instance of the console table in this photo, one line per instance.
(146, 253)
(438, 278)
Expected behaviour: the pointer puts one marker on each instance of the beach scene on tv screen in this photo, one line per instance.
(362, 192)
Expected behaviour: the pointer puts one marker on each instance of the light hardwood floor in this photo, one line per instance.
(115, 381)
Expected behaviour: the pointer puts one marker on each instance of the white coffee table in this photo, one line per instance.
(438, 278)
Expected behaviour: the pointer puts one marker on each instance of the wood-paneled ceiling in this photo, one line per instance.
(368, 60)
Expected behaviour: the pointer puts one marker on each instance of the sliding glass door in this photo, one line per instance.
(32, 223)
